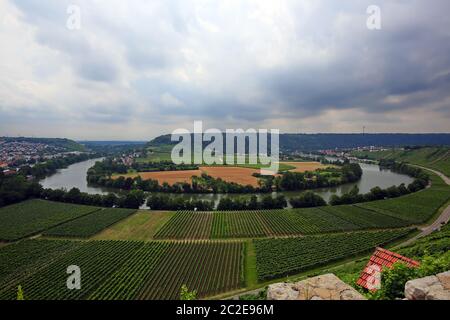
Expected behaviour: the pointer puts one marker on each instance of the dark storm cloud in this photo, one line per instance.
(249, 61)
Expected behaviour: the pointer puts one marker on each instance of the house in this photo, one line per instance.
(3, 165)
(9, 172)
(371, 275)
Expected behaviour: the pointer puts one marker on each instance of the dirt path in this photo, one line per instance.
(440, 221)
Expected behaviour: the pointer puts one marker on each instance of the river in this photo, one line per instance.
(75, 176)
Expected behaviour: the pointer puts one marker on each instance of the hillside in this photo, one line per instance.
(67, 144)
(432, 157)
(324, 141)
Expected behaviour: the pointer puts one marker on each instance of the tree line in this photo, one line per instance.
(101, 175)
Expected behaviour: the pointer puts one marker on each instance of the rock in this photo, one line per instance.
(429, 288)
(324, 287)
(444, 279)
(281, 291)
(418, 289)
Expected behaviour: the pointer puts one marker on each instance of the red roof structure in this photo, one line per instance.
(371, 275)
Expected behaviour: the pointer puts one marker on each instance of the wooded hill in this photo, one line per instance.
(326, 141)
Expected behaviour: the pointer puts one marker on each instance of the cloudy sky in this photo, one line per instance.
(136, 69)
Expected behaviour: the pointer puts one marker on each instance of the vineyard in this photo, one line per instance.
(31, 217)
(275, 223)
(18, 260)
(187, 225)
(89, 225)
(364, 218)
(416, 208)
(207, 267)
(120, 269)
(97, 260)
(276, 258)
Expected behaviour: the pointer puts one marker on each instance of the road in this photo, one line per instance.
(441, 220)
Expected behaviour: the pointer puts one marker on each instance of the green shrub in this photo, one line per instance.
(393, 280)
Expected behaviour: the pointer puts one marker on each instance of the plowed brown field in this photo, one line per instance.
(242, 176)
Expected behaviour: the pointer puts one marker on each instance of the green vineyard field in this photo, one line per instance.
(31, 217)
(120, 269)
(277, 258)
(275, 223)
(89, 225)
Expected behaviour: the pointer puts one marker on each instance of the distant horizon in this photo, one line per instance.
(282, 133)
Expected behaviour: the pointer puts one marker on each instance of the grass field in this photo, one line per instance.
(141, 226)
(89, 225)
(34, 216)
(432, 157)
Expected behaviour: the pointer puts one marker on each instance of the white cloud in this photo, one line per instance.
(137, 69)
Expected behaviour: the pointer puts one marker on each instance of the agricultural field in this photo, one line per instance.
(209, 268)
(89, 225)
(141, 226)
(276, 258)
(365, 219)
(97, 259)
(121, 269)
(431, 157)
(240, 174)
(34, 216)
(187, 225)
(19, 259)
(275, 223)
(416, 208)
(304, 166)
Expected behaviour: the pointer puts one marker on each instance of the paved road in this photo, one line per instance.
(441, 220)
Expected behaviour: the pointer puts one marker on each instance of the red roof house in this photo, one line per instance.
(371, 275)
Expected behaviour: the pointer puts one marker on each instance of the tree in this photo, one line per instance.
(133, 199)
(307, 200)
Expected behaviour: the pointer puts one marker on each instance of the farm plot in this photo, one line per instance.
(324, 221)
(277, 258)
(364, 218)
(31, 217)
(416, 208)
(187, 225)
(274, 223)
(209, 268)
(126, 282)
(97, 261)
(21, 259)
(239, 224)
(91, 224)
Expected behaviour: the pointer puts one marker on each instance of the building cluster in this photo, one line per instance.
(14, 154)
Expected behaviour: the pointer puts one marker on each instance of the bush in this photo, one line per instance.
(393, 280)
